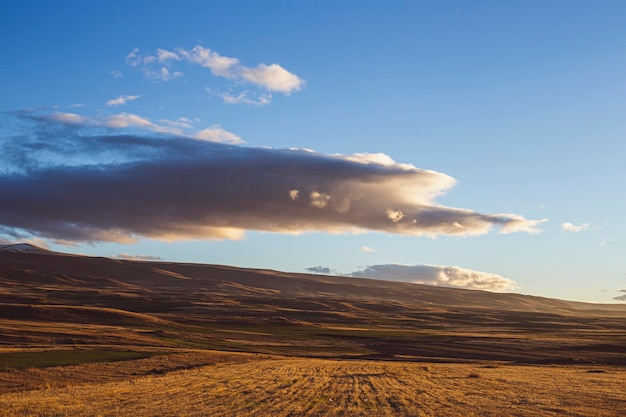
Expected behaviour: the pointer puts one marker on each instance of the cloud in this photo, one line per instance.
(319, 270)
(116, 74)
(164, 56)
(217, 134)
(621, 297)
(366, 249)
(150, 65)
(271, 77)
(574, 228)
(179, 127)
(120, 100)
(243, 98)
(164, 74)
(72, 184)
(448, 276)
(128, 257)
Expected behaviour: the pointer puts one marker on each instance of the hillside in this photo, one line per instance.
(50, 298)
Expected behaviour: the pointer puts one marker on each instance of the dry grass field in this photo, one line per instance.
(86, 336)
(314, 387)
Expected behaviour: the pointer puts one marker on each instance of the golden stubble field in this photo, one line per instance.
(316, 387)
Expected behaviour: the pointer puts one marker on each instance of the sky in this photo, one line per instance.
(470, 144)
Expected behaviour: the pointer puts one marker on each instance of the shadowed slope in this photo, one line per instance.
(52, 298)
(126, 277)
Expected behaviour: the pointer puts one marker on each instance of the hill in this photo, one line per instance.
(51, 297)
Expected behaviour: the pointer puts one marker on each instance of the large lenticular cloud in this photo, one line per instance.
(67, 186)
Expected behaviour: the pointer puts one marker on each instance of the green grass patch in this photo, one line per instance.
(22, 360)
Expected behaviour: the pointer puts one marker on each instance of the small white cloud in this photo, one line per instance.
(66, 118)
(124, 120)
(147, 64)
(271, 77)
(149, 59)
(217, 134)
(164, 74)
(574, 228)
(603, 243)
(366, 249)
(116, 74)
(243, 98)
(133, 58)
(121, 100)
(219, 65)
(448, 276)
(164, 55)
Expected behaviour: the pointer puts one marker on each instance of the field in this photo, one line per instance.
(101, 337)
(315, 387)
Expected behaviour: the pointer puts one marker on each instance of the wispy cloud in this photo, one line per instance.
(77, 185)
(213, 133)
(243, 98)
(164, 74)
(273, 77)
(217, 134)
(164, 56)
(129, 257)
(270, 77)
(574, 228)
(120, 100)
(366, 249)
(151, 65)
(449, 276)
(116, 74)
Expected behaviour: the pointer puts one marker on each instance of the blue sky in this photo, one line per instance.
(522, 103)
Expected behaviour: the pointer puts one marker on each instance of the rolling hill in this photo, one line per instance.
(68, 300)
